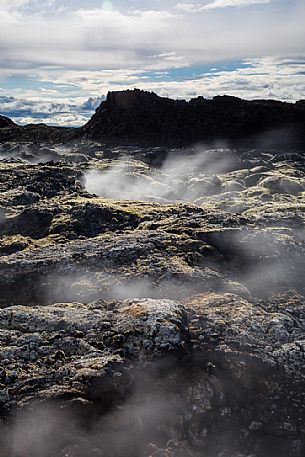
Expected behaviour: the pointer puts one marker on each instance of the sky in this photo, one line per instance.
(59, 59)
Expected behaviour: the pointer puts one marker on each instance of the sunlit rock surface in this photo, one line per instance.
(152, 301)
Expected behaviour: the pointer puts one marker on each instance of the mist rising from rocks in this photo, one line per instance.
(134, 426)
(183, 176)
(241, 238)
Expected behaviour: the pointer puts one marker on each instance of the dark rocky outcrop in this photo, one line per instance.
(5, 122)
(145, 118)
(9, 131)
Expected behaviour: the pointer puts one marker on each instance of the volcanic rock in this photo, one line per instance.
(140, 117)
(151, 301)
(5, 122)
(143, 116)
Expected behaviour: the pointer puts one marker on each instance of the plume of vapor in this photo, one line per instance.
(148, 415)
(180, 177)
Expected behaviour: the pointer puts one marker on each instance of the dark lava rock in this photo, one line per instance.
(9, 131)
(160, 314)
(143, 116)
(33, 222)
(90, 220)
(212, 373)
(6, 122)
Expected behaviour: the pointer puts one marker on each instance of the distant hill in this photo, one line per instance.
(136, 116)
(9, 131)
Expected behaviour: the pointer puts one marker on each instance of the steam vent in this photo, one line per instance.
(152, 285)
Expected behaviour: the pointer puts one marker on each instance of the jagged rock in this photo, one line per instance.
(90, 219)
(11, 132)
(5, 122)
(232, 356)
(283, 185)
(158, 309)
(143, 116)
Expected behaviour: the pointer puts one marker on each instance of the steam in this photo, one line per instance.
(84, 286)
(266, 261)
(32, 153)
(149, 417)
(182, 177)
(146, 409)
(262, 262)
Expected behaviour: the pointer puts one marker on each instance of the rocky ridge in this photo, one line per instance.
(141, 117)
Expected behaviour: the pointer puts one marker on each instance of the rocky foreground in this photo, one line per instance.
(152, 301)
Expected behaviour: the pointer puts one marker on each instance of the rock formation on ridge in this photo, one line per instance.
(145, 118)
(139, 115)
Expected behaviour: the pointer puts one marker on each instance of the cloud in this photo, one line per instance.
(61, 119)
(5, 99)
(66, 112)
(195, 8)
(11, 5)
(275, 78)
(92, 103)
(16, 10)
(66, 52)
(95, 39)
(101, 39)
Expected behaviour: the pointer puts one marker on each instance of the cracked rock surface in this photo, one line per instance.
(151, 301)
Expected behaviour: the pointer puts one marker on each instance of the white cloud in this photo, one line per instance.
(22, 5)
(91, 47)
(194, 8)
(64, 119)
(98, 39)
(282, 79)
(95, 38)
(10, 5)
(269, 78)
(56, 111)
